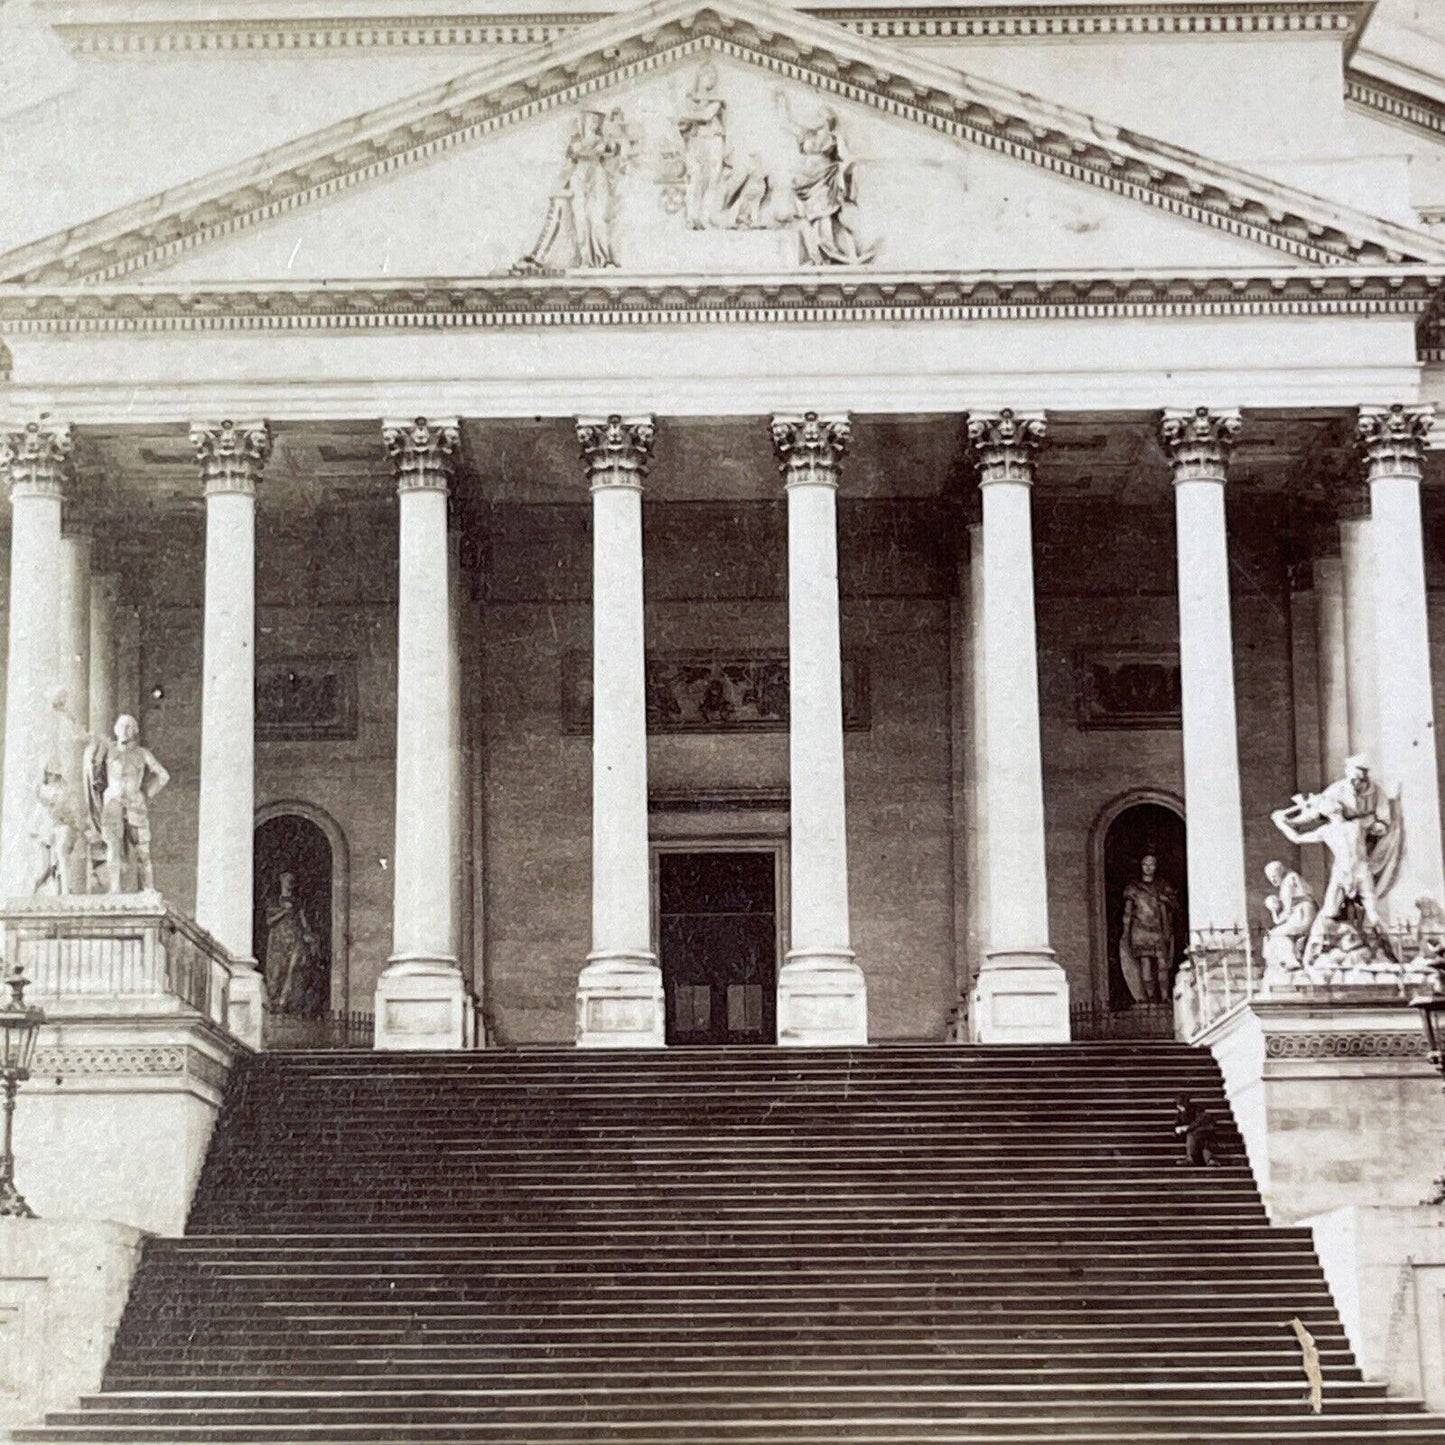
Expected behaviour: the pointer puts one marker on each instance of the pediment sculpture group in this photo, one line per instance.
(705, 177)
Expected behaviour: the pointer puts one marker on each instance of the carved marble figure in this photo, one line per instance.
(1147, 938)
(578, 229)
(53, 828)
(291, 952)
(1361, 828)
(703, 126)
(122, 777)
(1293, 908)
(823, 183)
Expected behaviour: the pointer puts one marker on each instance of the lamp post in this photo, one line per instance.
(19, 1029)
(1432, 1018)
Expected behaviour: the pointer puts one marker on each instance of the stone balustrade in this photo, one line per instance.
(127, 953)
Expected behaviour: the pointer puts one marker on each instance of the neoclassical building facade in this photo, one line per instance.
(723, 524)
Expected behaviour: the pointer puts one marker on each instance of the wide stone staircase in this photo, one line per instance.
(734, 1246)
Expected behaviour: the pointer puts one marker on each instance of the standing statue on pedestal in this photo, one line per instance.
(52, 826)
(1147, 939)
(122, 777)
(1362, 830)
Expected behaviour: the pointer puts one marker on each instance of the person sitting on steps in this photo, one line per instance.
(1193, 1124)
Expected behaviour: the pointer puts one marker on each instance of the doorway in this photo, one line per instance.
(291, 923)
(1139, 830)
(717, 935)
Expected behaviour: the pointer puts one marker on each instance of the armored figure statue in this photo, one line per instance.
(122, 778)
(1146, 942)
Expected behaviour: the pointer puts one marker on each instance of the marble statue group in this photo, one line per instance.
(108, 822)
(1342, 937)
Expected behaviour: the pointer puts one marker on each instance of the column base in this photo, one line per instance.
(1020, 997)
(822, 1001)
(422, 1003)
(246, 1003)
(620, 1003)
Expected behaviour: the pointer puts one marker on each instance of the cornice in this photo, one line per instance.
(867, 72)
(1384, 100)
(1334, 18)
(792, 297)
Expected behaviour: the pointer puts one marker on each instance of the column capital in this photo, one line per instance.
(810, 447)
(1005, 444)
(1392, 439)
(424, 453)
(1198, 442)
(38, 461)
(231, 455)
(617, 450)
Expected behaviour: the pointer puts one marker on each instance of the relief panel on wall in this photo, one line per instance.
(1127, 688)
(304, 699)
(708, 693)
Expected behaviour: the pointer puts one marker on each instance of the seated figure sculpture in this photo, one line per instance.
(1293, 909)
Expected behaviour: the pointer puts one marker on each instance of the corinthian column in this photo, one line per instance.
(1197, 444)
(619, 992)
(1393, 440)
(822, 996)
(36, 464)
(1021, 994)
(421, 997)
(231, 458)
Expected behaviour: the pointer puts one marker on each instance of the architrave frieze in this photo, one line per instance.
(264, 35)
(817, 53)
(800, 297)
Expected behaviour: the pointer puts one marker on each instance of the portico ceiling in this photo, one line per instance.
(1103, 455)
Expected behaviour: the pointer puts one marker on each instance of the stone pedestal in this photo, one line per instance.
(422, 1004)
(1019, 999)
(620, 1005)
(1335, 1098)
(822, 1002)
(1386, 1269)
(63, 1286)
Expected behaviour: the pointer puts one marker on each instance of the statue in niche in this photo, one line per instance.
(122, 778)
(292, 953)
(823, 183)
(1147, 938)
(1362, 829)
(1292, 908)
(53, 829)
(578, 228)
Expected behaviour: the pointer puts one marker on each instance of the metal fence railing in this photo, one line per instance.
(335, 1029)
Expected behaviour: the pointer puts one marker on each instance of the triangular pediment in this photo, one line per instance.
(736, 138)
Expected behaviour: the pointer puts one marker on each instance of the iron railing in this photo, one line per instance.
(336, 1029)
(1094, 1022)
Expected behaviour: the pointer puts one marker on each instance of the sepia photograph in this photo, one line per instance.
(718, 722)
